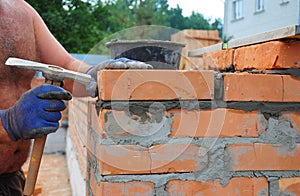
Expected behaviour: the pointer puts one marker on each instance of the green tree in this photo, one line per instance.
(120, 14)
(79, 25)
(138, 12)
(54, 15)
(197, 21)
(84, 31)
(151, 12)
(217, 24)
(176, 19)
(76, 24)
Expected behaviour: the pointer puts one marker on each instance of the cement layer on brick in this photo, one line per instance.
(279, 132)
(271, 107)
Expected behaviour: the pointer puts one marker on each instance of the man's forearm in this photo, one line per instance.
(77, 89)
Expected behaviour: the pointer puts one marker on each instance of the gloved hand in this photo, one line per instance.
(36, 113)
(121, 63)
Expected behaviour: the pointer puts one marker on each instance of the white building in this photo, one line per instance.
(248, 17)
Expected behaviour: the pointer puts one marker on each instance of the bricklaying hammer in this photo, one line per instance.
(53, 75)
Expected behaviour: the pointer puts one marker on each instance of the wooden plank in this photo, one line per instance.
(290, 32)
(284, 33)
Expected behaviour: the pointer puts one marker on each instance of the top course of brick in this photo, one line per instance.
(155, 85)
(276, 49)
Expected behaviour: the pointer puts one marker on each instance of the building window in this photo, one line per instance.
(259, 5)
(237, 9)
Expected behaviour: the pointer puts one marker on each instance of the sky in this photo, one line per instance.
(209, 8)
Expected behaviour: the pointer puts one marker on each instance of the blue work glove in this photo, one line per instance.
(36, 113)
(121, 63)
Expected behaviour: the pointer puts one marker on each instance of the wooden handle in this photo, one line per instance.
(34, 165)
(36, 157)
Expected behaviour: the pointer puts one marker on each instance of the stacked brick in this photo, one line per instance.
(232, 129)
(194, 39)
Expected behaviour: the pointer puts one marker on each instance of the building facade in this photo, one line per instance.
(243, 18)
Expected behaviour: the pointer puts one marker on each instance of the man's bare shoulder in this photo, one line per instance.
(16, 39)
(15, 8)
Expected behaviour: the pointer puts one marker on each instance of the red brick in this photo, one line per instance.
(291, 89)
(118, 159)
(190, 123)
(126, 188)
(168, 158)
(261, 87)
(253, 87)
(218, 60)
(126, 159)
(92, 182)
(121, 188)
(263, 157)
(94, 121)
(214, 123)
(269, 55)
(236, 186)
(290, 186)
(155, 84)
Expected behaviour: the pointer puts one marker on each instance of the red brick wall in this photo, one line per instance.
(199, 132)
(78, 129)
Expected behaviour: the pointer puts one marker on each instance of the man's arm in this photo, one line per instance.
(50, 51)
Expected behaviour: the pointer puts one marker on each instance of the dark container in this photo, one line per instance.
(159, 54)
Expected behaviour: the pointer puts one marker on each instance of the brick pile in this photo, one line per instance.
(194, 39)
(232, 129)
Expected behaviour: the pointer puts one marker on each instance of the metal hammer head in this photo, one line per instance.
(50, 72)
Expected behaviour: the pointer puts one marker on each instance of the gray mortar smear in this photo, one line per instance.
(218, 167)
(268, 107)
(273, 185)
(138, 126)
(218, 87)
(286, 193)
(279, 131)
(144, 105)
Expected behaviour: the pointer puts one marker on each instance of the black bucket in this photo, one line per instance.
(159, 54)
